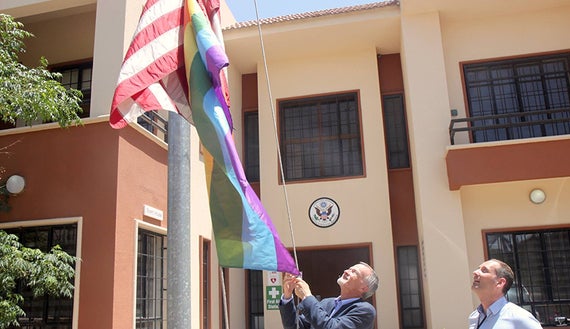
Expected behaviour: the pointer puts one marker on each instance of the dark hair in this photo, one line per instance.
(505, 271)
(371, 281)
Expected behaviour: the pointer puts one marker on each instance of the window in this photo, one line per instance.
(527, 97)
(411, 309)
(151, 280)
(78, 76)
(396, 132)
(224, 296)
(43, 312)
(542, 269)
(320, 137)
(205, 280)
(255, 300)
(251, 145)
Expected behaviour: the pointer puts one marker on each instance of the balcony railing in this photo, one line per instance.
(155, 123)
(511, 126)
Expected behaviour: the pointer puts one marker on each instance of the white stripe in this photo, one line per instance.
(156, 11)
(146, 55)
(162, 97)
(176, 90)
(130, 110)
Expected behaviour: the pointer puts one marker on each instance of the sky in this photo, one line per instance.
(244, 10)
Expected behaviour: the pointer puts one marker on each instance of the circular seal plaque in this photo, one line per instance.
(324, 212)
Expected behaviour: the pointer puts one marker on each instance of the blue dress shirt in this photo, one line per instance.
(503, 314)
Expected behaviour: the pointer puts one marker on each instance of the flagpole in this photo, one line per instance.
(178, 267)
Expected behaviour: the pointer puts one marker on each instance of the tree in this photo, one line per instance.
(30, 94)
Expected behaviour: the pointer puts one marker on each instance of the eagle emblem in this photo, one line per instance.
(324, 212)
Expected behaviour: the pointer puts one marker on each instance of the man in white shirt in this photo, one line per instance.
(491, 281)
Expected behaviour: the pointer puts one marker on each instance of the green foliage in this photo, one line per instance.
(30, 94)
(45, 273)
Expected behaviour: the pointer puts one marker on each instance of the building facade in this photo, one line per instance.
(419, 136)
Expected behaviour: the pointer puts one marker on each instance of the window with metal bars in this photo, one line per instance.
(396, 131)
(151, 280)
(320, 137)
(46, 312)
(541, 265)
(255, 299)
(519, 98)
(78, 76)
(205, 280)
(251, 145)
(411, 303)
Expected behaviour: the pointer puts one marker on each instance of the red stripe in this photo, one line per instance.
(162, 24)
(157, 70)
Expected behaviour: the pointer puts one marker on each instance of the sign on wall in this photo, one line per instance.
(273, 290)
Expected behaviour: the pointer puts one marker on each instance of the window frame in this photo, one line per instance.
(519, 292)
(396, 131)
(511, 101)
(254, 307)
(80, 66)
(160, 321)
(357, 137)
(251, 145)
(205, 283)
(406, 297)
(45, 300)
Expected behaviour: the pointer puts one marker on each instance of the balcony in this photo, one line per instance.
(512, 126)
(156, 123)
(509, 147)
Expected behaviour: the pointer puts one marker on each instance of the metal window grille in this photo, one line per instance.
(255, 301)
(155, 123)
(411, 306)
(542, 270)
(396, 132)
(320, 137)
(151, 281)
(78, 77)
(514, 97)
(46, 312)
(251, 136)
(205, 284)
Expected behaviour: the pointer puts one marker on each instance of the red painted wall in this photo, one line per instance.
(104, 176)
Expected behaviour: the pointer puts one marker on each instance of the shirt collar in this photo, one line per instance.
(495, 307)
(343, 302)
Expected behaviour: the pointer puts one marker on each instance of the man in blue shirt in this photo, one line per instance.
(347, 311)
(491, 281)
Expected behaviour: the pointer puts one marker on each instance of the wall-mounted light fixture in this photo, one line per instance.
(15, 184)
(537, 196)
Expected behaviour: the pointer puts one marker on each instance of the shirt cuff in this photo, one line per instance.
(285, 301)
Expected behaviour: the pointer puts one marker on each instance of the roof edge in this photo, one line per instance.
(312, 14)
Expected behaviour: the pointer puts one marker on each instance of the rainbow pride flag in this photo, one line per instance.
(244, 234)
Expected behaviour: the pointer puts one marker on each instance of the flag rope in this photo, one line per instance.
(280, 160)
(279, 157)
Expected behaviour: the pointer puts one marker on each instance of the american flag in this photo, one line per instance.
(153, 76)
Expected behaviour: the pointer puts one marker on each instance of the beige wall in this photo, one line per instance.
(507, 205)
(526, 33)
(438, 210)
(60, 41)
(435, 39)
(503, 205)
(365, 215)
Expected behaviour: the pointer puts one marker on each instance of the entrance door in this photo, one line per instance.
(322, 267)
